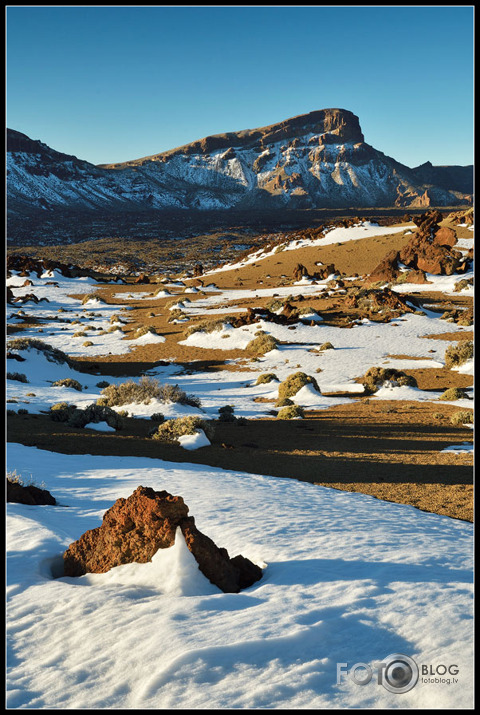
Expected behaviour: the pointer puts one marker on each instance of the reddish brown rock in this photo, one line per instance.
(142, 278)
(386, 271)
(134, 529)
(424, 252)
(299, 271)
(445, 237)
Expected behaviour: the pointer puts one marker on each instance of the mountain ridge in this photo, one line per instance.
(314, 160)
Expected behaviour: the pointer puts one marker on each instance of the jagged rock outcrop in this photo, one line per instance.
(299, 271)
(429, 249)
(134, 529)
(387, 270)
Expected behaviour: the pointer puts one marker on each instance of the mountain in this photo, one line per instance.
(315, 160)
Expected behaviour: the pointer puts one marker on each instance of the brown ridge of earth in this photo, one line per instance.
(387, 449)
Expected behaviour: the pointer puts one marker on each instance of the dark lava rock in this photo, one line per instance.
(21, 494)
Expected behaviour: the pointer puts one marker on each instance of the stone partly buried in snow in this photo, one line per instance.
(28, 494)
(134, 529)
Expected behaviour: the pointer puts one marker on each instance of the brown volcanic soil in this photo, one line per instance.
(388, 449)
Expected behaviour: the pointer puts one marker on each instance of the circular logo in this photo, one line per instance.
(400, 673)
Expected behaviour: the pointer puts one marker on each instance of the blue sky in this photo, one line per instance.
(110, 84)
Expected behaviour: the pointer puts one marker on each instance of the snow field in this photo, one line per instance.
(347, 579)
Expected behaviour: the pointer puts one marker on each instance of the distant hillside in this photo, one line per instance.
(315, 160)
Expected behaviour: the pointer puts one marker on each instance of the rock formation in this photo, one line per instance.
(134, 529)
(28, 494)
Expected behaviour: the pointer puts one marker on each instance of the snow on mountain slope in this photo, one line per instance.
(312, 161)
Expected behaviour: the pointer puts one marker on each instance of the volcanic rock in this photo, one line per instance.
(142, 278)
(299, 271)
(134, 529)
(445, 236)
(28, 494)
(424, 251)
(387, 270)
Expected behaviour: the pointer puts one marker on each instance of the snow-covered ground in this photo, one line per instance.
(347, 579)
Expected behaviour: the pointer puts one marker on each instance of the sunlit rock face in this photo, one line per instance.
(315, 160)
(134, 529)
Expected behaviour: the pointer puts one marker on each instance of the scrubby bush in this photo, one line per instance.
(453, 393)
(102, 383)
(157, 417)
(265, 378)
(61, 411)
(68, 382)
(87, 344)
(171, 430)
(291, 412)
(78, 417)
(294, 383)
(143, 330)
(208, 326)
(92, 296)
(284, 402)
(143, 391)
(226, 414)
(177, 314)
(52, 354)
(22, 411)
(262, 344)
(326, 346)
(462, 417)
(375, 377)
(458, 354)
(19, 376)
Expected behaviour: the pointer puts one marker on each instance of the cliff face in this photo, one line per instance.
(315, 160)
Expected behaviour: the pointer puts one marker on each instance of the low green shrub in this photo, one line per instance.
(68, 382)
(143, 391)
(294, 383)
(453, 393)
(52, 354)
(143, 330)
(375, 377)
(171, 430)
(458, 354)
(291, 412)
(265, 378)
(284, 402)
(462, 417)
(78, 417)
(208, 326)
(92, 296)
(262, 344)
